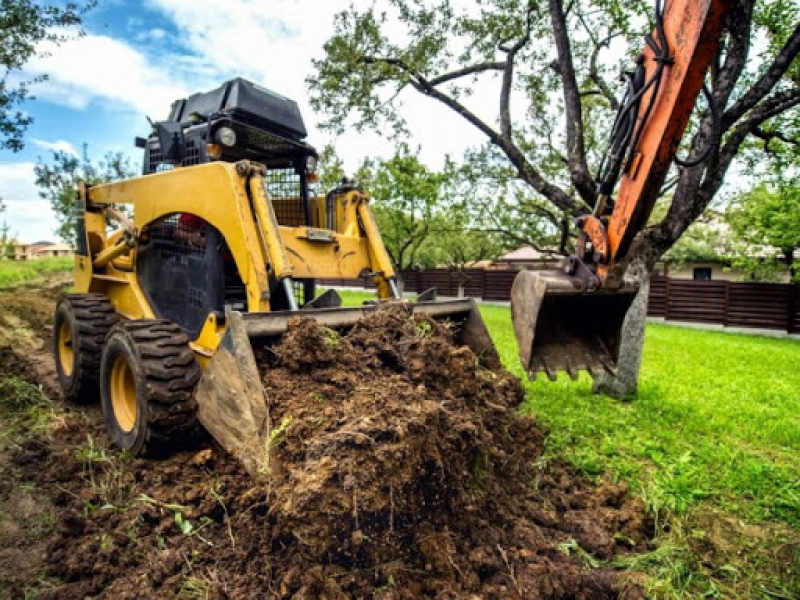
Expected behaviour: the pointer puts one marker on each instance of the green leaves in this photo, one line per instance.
(24, 25)
(766, 220)
(57, 181)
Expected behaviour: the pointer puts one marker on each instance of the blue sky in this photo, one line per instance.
(137, 57)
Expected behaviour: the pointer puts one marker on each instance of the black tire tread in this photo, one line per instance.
(170, 373)
(94, 317)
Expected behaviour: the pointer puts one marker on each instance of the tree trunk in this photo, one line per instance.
(625, 383)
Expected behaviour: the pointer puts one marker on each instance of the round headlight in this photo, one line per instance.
(311, 164)
(226, 136)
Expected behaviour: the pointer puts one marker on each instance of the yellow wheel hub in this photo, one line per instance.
(122, 388)
(66, 352)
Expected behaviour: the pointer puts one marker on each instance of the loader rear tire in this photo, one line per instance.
(147, 381)
(80, 326)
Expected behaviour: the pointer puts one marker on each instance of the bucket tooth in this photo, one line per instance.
(571, 370)
(608, 365)
(330, 299)
(551, 373)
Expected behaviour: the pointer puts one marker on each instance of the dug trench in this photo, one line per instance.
(399, 468)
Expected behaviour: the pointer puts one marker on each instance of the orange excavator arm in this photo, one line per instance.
(671, 72)
(570, 319)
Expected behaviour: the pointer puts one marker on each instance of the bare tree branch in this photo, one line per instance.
(508, 77)
(737, 48)
(766, 82)
(576, 151)
(525, 169)
(471, 70)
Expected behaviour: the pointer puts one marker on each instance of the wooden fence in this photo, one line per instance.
(760, 305)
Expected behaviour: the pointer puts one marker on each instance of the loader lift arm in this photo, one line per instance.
(570, 319)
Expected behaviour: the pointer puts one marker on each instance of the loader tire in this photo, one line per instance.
(147, 381)
(80, 326)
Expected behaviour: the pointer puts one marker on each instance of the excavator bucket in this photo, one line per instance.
(560, 326)
(231, 399)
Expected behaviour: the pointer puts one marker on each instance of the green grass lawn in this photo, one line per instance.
(17, 271)
(711, 443)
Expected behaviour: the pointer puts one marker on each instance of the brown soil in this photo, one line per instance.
(399, 469)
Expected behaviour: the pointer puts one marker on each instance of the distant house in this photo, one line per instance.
(717, 268)
(42, 249)
(526, 257)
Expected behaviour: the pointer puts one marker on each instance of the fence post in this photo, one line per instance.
(793, 307)
(667, 301)
(727, 303)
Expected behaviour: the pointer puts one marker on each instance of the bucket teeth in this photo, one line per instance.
(562, 326)
(608, 365)
(571, 370)
(551, 373)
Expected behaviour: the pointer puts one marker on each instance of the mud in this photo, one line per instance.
(399, 468)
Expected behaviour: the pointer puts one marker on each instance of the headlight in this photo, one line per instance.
(226, 136)
(311, 164)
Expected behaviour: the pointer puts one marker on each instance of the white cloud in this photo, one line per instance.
(29, 216)
(98, 67)
(56, 146)
(274, 43)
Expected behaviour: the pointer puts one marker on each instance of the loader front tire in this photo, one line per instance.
(147, 380)
(80, 326)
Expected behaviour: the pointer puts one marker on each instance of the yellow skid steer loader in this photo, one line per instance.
(213, 250)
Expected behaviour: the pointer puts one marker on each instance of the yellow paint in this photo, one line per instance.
(233, 199)
(122, 389)
(66, 352)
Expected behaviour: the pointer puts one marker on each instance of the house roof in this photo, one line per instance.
(51, 248)
(525, 253)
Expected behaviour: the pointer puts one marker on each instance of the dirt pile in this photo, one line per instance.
(399, 469)
(403, 466)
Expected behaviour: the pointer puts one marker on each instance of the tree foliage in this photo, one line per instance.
(551, 68)
(767, 220)
(57, 182)
(6, 239)
(24, 26)
(407, 195)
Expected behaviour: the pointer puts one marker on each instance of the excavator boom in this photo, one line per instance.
(570, 319)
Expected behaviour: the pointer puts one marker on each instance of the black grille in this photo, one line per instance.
(180, 266)
(157, 163)
(285, 191)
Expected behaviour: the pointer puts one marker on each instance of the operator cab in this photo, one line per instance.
(187, 256)
(241, 120)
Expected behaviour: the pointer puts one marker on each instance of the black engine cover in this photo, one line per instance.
(248, 101)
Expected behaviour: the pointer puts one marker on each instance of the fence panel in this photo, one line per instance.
(762, 305)
(659, 293)
(497, 285)
(696, 301)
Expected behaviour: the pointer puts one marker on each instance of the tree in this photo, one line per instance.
(556, 62)
(331, 169)
(405, 195)
(768, 218)
(458, 241)
(57, 182)
(6, 239)
(24, 26)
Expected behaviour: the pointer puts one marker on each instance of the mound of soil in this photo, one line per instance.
(404, 466)
(399, 468)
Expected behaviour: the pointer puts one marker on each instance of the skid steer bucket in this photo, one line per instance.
(231, 399)
(560, 326)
